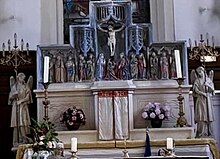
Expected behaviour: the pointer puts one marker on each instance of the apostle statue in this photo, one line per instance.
(164, 66)
(154, 66)
(90, 67)
(82, 67)
(20, 97)
(70, 69)
(59, 70)
(141, 66)
(123, 67)
(100, 67)
(133, 66)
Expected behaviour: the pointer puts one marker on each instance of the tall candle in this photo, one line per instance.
(170, 143)
(178, 64)
(46, 69)
(74, 144)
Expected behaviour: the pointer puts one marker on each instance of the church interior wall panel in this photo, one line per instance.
(141, 100)
(62, 100)
(164, 92)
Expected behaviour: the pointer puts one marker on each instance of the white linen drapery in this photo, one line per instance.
(113, 114)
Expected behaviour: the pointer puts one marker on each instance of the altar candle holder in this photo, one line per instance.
(73, 155)
(170, 153)
(125, 152)
(181, 121)
(46, 101)
(170, 149)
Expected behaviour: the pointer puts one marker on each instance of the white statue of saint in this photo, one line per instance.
(20, 97)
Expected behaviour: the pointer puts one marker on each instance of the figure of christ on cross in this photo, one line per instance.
(111, 37)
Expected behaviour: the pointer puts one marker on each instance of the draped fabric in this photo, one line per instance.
(113, 115)
(121, 117)
(105, 118)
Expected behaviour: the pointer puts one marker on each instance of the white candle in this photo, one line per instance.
(170, 143)
(46, 69)
(74, 144)
(178, 64)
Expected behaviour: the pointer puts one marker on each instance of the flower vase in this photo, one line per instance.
(156, 123)
(73, 127)
(43, 154)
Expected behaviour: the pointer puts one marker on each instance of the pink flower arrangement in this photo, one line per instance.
(155, 111)
(73, 117)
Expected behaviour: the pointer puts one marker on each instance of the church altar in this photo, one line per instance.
(113, 81)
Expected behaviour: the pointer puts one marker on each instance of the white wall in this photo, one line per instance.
(195, 17)
(21, 17)
(38, 22)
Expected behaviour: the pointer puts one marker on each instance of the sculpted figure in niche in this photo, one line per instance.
(82, 67)
(133, 66)
(110, 72)
(141, 66)
(164, 66)
(51, 70)
(90, 67)
(20, 97)
(59, 70)
(154, 65)
(122, 67)
(70, 69)
(100, 67)
(172, 66)
(203, 89)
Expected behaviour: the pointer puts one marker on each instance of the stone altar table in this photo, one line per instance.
(84, 95)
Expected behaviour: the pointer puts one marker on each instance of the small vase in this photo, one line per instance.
(156, 123)
(73, 127)
(43, 154)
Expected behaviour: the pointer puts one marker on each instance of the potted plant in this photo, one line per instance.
(44, 138)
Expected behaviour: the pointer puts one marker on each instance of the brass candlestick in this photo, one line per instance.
(73, 155)
(125, 152)
(181, 121)
(170, 153)
(46, 101)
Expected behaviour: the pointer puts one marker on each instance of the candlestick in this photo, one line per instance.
(9, 46)
(27, 46)
(46, 69)
(15, 38)
(207, 39)
(46, 101)
(74, 144)
(181, 121)
(125, 152)
(73, 155)
(190, 43)
(3, 49)
(22, 45)
(178, 64)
